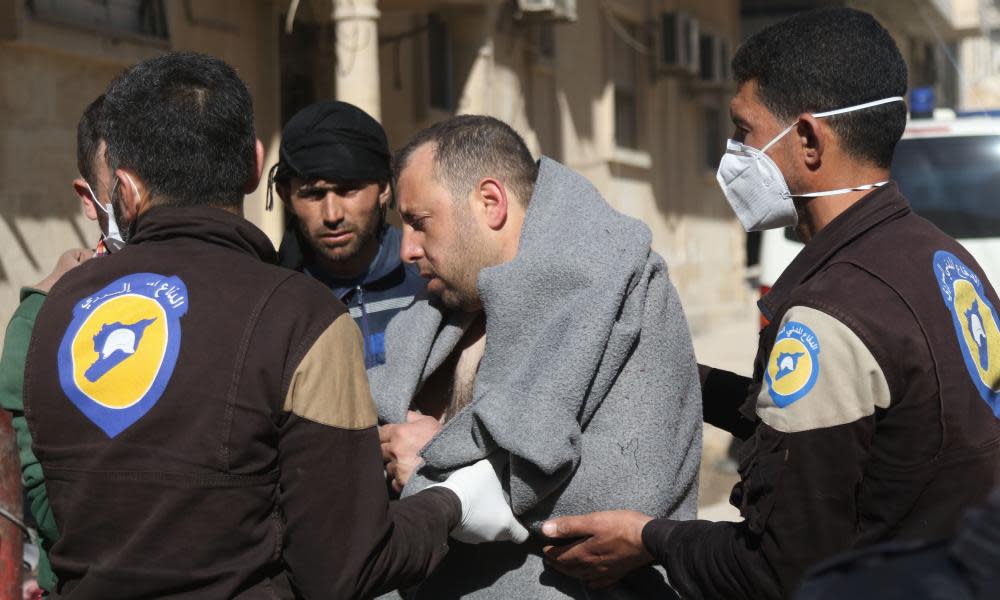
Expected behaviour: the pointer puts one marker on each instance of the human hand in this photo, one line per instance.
(67, 261)
(486, 516)
(610, 546)
(402, 443)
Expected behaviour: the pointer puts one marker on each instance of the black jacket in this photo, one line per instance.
(965, 567)
(198, 437)
(871, 414)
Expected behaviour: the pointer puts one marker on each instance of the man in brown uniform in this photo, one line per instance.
(872, 413)
(203, 418)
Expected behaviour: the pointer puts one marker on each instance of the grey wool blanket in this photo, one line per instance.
(588, 386)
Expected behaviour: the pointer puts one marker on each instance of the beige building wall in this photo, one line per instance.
(553, 82)
(563, 102)
(978, 53)
(50, 72)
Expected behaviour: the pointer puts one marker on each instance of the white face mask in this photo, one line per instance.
(113, 238)
(756, 189)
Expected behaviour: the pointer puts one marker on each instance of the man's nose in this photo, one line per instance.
(333, 212)
(409, 250)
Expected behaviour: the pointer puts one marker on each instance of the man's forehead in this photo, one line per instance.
(418, 169)
(743, 101)
(420, 162)
(746, 105)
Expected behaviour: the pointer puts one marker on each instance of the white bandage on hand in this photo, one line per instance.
(486, 516)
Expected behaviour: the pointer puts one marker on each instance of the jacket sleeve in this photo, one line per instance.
(344, 539)
(15, 349)
(800, 472)
(722, 394)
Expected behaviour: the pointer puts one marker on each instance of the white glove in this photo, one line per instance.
(486, 516)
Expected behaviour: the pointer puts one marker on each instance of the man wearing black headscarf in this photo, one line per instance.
(333, 178)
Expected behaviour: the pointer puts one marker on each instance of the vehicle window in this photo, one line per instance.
(953, 182)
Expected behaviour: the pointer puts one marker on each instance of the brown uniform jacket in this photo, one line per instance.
(204, 422)
(871, 414)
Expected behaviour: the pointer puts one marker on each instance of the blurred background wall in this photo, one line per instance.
(632, 93)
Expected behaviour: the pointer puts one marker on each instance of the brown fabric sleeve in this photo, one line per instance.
(343, 538)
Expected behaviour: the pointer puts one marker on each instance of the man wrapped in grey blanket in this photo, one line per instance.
(587, 387)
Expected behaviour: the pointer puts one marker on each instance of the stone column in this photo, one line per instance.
(357, 54)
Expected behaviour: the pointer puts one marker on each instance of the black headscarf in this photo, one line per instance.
(331, 140)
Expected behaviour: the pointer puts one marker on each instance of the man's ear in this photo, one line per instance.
(131, 190)
(258, 169)
(385, 196)
(82, 190)
(813, 139)
(494, 202)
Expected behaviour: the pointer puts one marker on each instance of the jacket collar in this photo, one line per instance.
(874, 208)
(204, 223)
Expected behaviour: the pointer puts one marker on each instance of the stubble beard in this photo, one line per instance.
(343, 255)
(469, 255)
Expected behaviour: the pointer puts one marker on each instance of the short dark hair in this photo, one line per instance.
(88, 139)
(184, 123)
(827, 59)
(470, 147)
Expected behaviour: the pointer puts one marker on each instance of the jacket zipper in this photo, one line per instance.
(365, 330)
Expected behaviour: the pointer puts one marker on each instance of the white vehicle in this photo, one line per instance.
(949, 170)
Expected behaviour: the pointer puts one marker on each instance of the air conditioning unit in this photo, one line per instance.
(714, 70)
(547, 10)
(677, 43)
(713, 60)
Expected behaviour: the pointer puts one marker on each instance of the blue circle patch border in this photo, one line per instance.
(781, 400)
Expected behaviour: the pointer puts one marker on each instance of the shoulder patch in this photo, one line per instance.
(819, 374)
(330, 385)
(793, 366)
(975, 320)
(119, 351)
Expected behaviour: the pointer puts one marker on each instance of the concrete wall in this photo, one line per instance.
(562, 102)
(49, 73)
(563, 105)
(978, 53)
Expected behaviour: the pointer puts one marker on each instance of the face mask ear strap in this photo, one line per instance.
(93, 196)
(778, 137)
(860, 188)
(113, 239)
(831, 113)
(841, 111)
(135, 189)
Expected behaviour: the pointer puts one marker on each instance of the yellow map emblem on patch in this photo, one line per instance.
(979, 332)
(975, 320)
(118, 350)
(793, 366)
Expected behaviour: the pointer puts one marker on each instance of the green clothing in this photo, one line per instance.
(15, 350)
